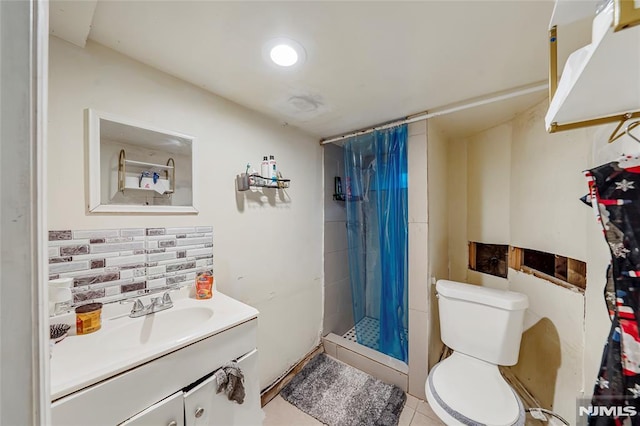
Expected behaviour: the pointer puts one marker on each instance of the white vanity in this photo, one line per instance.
(155, 369)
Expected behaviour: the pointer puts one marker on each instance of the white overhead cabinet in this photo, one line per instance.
(600, 82)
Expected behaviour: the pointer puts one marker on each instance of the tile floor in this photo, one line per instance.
(279, 412)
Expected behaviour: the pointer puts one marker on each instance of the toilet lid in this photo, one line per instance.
(474, 392)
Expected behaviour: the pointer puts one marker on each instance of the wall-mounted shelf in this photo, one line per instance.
(245, 181)
(600, 81)
(149, 165)
(338, 195)
(345, 197)
(164, 186)
(258, 181)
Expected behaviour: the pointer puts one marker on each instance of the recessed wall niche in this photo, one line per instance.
(138, 168)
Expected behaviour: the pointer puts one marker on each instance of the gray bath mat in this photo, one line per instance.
(340, 395)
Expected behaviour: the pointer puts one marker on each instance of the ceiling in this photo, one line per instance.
(366, 62)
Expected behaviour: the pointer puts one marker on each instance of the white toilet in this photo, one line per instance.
(483, 326)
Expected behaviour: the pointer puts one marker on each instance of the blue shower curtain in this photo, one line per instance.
(376, 194)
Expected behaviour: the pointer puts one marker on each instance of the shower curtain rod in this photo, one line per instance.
(448, 109)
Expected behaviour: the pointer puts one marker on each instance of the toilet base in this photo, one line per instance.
(463, 390)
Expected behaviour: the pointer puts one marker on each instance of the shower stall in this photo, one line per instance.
(375, 198)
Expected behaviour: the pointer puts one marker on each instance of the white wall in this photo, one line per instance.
(338, 309)
(546, 215)
(522, 188)
(546, 182)
(267, 250)
(437, 205)
(488, 181)
(438, 230)
(488, 185)
(457, 209)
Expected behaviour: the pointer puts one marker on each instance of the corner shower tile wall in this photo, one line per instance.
(109, 265)
(338, 309)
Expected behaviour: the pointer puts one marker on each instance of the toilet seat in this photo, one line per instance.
(468, 391)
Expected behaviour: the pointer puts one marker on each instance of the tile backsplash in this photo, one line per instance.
(109, 265)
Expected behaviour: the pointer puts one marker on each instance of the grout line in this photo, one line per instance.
(412, 416)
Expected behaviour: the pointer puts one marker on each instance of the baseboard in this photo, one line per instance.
(274, 388)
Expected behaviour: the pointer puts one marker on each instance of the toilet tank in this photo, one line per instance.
(481, 322)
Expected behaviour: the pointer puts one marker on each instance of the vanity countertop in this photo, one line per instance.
(124, 343)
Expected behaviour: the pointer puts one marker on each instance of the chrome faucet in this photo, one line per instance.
(157, 304)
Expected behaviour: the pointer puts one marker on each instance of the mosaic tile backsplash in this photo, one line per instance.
(109, 265)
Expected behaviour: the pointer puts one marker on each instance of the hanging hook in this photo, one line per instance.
(631, 126)
(615, 136)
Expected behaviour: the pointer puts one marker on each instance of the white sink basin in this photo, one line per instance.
(168, 325)
(124, 343)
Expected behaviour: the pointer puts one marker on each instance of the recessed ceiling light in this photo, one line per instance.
(284, 52)
(283, 55)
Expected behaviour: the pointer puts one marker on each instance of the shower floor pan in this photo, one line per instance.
(346, 349)
(365, 355)
(368, 329)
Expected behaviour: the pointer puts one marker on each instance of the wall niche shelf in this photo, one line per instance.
(132, 167)
(153, 183)
(599, 83)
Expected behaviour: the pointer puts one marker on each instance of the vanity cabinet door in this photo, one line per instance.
(168, 412)
(204, 407)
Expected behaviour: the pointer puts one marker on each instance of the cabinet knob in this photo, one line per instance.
(173, 423)
(199, 412)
